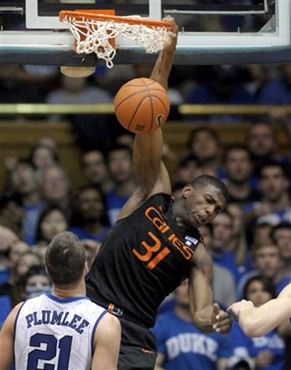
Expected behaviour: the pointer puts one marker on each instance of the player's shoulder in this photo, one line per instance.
(12, 317)
(157, 202)
(111, 320)
(160, 197)
(109, 326)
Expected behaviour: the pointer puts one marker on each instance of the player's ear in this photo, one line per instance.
(187, 189)
(86, 268)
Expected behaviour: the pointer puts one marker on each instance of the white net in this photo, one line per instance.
(93, 36)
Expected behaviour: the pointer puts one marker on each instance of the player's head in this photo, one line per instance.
(65, 259)
(203, 199)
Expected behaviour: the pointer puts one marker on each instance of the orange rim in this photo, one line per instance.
(104, 17)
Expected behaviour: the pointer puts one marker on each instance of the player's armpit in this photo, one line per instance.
(107, 343)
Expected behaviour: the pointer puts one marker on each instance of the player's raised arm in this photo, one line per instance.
(151, 174)
(258, 321)
(148, 148)
(205, 315)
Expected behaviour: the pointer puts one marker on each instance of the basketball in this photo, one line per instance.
(141, 105)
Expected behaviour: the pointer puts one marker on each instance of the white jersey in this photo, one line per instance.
(56, 334)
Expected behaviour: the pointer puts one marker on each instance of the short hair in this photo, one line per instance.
(54, 154)
(44, 213)
(240, 147)
(95, 150)
(226, 213)
(35, 270)
(272, 163)
(205, 180)
(257, 247)
(282, 225)
(65, 259)
(189, 158)
(198, 130)
(118, 147)
(268, 286)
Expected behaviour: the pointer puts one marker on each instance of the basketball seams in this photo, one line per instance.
(159, 99)
(136, 110)
(128, 97)
(139, 85)
(147, 100)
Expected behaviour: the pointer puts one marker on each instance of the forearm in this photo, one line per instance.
(147, 156)
(201, 303)
(257, 321)
(148, 148)
(162, 68)
(163, 65)
(200, 294)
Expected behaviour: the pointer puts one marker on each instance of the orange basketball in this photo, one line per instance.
(141, 105)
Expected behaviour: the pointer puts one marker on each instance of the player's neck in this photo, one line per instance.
(178, 213)
(78, 290)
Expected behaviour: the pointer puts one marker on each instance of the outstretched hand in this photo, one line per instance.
(172, 41)
(221, 320)
(235, 308)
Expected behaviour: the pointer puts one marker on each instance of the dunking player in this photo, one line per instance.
(154, 246)
(62, 329)
(258, 321)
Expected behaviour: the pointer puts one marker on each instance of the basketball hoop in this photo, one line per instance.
(95, 32)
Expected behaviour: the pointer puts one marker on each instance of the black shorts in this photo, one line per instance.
(138, 347)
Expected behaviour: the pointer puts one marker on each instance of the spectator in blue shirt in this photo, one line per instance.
(120, 171)
(181, 346)
(275, 206)
(266, 351)
(222, 243)
(241, 184)
(268, 262)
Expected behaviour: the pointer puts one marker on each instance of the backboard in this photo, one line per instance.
(211, 31)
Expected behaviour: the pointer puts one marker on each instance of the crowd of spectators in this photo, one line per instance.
(250, 241)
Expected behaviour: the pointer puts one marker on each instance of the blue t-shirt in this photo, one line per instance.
(273, 218)
(29, 224)
(6, 307)
(250, 347)
(185, 347)
(82, 234)
(114, 203)
(282, 283)
(227, 259)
